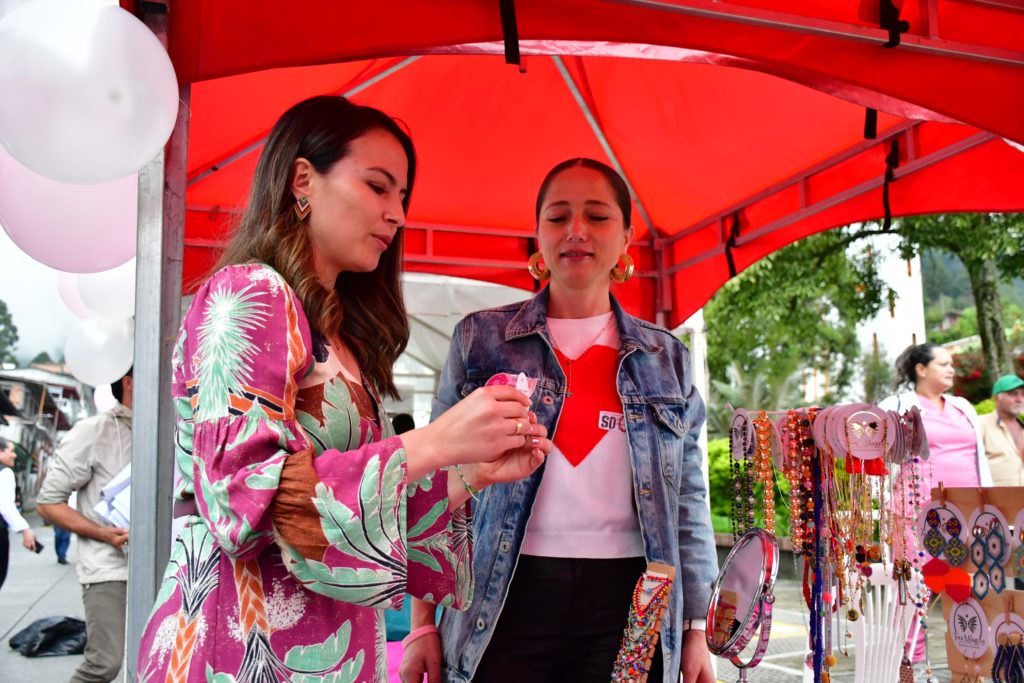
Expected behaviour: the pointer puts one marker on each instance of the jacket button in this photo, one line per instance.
(547, 400)
(505, 546)
(481, 624)
(645, 492)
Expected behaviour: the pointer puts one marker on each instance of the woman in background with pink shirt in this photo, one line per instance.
(951, 423)
(957, 454)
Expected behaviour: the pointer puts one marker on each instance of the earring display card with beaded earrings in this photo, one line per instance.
(978, 592)
(646, 611)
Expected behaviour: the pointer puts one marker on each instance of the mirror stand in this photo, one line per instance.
(742, 598)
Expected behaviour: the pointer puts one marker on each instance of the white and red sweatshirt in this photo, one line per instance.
(585, 506)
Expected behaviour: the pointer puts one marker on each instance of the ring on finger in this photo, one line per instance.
(519, 428)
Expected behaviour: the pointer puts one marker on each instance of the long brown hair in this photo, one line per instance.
(366, 310)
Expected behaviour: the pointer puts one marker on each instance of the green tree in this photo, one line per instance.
(795, 310)
(965, 326)
(989, 246)
(877, 373)
(753, 390)
(8, 335)
(41, 357)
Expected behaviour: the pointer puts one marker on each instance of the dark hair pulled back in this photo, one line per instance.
(906, 362)
(618, 185)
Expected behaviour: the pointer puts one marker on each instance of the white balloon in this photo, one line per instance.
(110, 294)
(8, 6)
(74, 228)
(100, 351)
(89, 93)
(67, 287)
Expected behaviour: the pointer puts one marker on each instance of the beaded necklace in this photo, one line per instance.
(797, 469)
(742, 481)
(650, 598)
(791, 459)
(763, 468)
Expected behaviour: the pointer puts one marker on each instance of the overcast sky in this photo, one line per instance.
(30, 291)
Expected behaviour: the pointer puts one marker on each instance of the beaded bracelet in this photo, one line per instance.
(470, 489)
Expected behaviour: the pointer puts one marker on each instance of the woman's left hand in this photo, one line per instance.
(514, 464)
(696, 660)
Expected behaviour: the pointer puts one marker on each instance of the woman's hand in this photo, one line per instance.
(422, 658)
(513, 464)
(695, 663)
(481, 427)
(28, 539)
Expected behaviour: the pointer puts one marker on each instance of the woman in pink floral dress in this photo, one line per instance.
(307, 516)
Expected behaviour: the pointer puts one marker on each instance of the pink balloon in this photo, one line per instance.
(73, 228)
(67, 286)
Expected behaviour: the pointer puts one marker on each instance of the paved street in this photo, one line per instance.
(788, 645)
(37, 587)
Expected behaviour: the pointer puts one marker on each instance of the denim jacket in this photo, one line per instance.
(663, 414)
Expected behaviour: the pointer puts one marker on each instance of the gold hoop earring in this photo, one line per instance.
(302, 207)
(620, 275)
(533, 265)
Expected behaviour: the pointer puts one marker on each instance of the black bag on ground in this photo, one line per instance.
(50, 636)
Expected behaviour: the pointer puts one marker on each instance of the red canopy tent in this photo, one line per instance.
(703, 117)
(739, 124)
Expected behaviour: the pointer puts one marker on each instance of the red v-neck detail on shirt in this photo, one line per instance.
(586, 414)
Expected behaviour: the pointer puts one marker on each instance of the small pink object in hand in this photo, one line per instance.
(524, 384)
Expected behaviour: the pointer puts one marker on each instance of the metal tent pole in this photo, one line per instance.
(161, 230)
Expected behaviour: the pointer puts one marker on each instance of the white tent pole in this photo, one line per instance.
(161, 229)
(603, 140)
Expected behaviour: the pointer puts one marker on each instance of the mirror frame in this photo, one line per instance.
(760, 612)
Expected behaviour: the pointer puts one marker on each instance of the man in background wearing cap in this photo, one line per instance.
(1003, 432)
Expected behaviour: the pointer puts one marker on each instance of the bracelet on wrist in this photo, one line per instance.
(418, 633)
(470, 489)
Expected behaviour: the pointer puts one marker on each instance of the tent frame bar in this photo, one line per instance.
(827, 28)
(587, 106)
(800, 179)
(429, 228)
(430, 256)
(917, 164)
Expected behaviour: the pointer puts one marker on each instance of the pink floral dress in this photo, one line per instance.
(304, 525)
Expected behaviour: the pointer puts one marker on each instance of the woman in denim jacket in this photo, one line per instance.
(557, 554)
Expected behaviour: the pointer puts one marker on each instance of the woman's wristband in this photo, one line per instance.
(470, 489)
(418, 633)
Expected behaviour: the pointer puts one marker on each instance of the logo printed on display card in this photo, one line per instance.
(968, 629)
(609, 422)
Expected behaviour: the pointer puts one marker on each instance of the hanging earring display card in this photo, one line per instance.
(980, 615)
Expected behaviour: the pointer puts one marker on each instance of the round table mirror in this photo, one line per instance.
(741, 599)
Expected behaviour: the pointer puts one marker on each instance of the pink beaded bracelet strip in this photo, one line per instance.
(418, 633)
